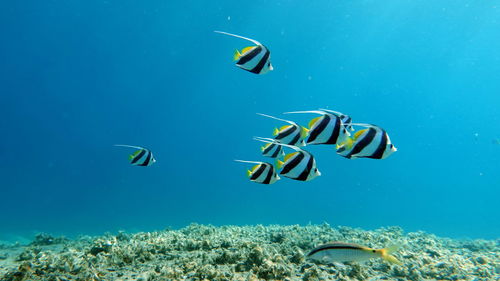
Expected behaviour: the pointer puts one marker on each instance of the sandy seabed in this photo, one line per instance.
(276, 252)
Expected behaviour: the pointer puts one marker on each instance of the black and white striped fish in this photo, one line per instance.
(272, 150)
(299, 165)
(256, 59)
(349, 252)
(263, 172)
(346, 119)
(327, 128)
(292, 134)
(372, 142)
(142, 157)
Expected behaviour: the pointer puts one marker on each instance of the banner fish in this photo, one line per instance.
(299, 165)
(346, 119)
(272, 150)
(347, 252)
(263, 172)
(292, 134)
(142, 157)
(329, 128)
(256, 59)
(372, 142)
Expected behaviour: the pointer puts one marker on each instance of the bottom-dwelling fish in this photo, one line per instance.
(299, 165)
(262, 172)
(141, 157)
(347, 252)
(373, 142)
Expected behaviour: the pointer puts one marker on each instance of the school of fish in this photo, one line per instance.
(327, 128)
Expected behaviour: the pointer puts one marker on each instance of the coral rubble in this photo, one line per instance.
(201, 252)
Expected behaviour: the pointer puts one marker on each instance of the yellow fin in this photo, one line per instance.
(288, 156)
(276, 131)
(303, 132)
(348, 143)
(246, 50)
(237, 55)
(313, 121)
(285, 127)
(249, 173)
(262, 148)
(132, 156)
(255, 168)
(358, 133)
(279, 163)
(386, 254)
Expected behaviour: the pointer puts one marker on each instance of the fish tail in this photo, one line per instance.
(236, 55)
(391, 259)
(386, 254)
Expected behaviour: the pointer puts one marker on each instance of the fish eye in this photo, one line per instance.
(373, 251)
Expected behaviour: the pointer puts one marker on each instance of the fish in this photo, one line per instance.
(328, 128)
(272, 150)
(292, 134)
(255, 59)
(141, 157)
(346, 119)
(262, 172)
(348, 252)
(372, 142)
(299, 165)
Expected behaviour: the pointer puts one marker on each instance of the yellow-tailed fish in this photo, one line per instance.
(299, 165)
(272, 150)
(347, 252)
(255, 59)
(292, 134)
(329, 128)
(262, 172)
(372, 142)
(141, 157)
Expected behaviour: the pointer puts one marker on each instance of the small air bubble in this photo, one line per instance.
(228, 17)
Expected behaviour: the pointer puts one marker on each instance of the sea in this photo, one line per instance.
(78, 77)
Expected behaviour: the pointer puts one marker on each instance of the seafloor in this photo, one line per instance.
(200, 252)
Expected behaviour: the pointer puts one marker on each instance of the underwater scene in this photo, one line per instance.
(263, 140)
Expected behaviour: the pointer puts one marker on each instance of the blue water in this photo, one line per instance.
(77, 77)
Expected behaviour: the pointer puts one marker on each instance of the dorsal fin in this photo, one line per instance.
(284, 128)
(246, 50)
(133, 155)
(239, 36)
(313, 121)
(359, 133)
(265, 146)
(255, 167)
(290, 155)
